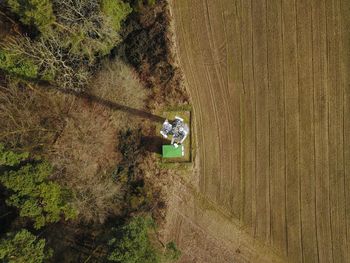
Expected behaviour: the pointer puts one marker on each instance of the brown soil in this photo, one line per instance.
(271, 97)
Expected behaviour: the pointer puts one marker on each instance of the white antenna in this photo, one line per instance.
(177, 128)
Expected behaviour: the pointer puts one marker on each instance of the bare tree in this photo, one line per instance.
(67, 53)
(55, 63)
(84, 23)
(28, 118)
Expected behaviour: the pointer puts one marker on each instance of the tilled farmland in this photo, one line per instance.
(270, 85)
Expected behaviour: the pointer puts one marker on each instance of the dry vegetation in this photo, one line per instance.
(87, 149)
(147, 46)
(85, 139)
(83, 133)
(118, 83)
(86, 153)
(89, 137)
(29, 118)
(5, 27)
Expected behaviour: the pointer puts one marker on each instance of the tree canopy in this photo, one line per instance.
(36, 13)
(133, 245)
(23, 247)
(35, 196)
(74, 35)
(18, 65)
(116, 11)
(10, 158)
(31, 190)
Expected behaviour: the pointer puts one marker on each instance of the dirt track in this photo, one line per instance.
(270, 84)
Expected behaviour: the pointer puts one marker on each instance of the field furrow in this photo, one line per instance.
(270, 86)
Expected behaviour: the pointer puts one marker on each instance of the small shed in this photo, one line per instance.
(171, 151)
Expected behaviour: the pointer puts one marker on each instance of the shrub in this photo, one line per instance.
(10, 158)
(116, 11)
(138, 194)
(35, 196)
(23, 247)
(18, 65)
(36, 13)
(134, 245)
(172, 252)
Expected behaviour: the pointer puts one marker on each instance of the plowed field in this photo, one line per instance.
(270, 85)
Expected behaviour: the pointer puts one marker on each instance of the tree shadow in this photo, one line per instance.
(114, 106)
(153, 143)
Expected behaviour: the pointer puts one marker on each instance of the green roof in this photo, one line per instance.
(170, 151)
